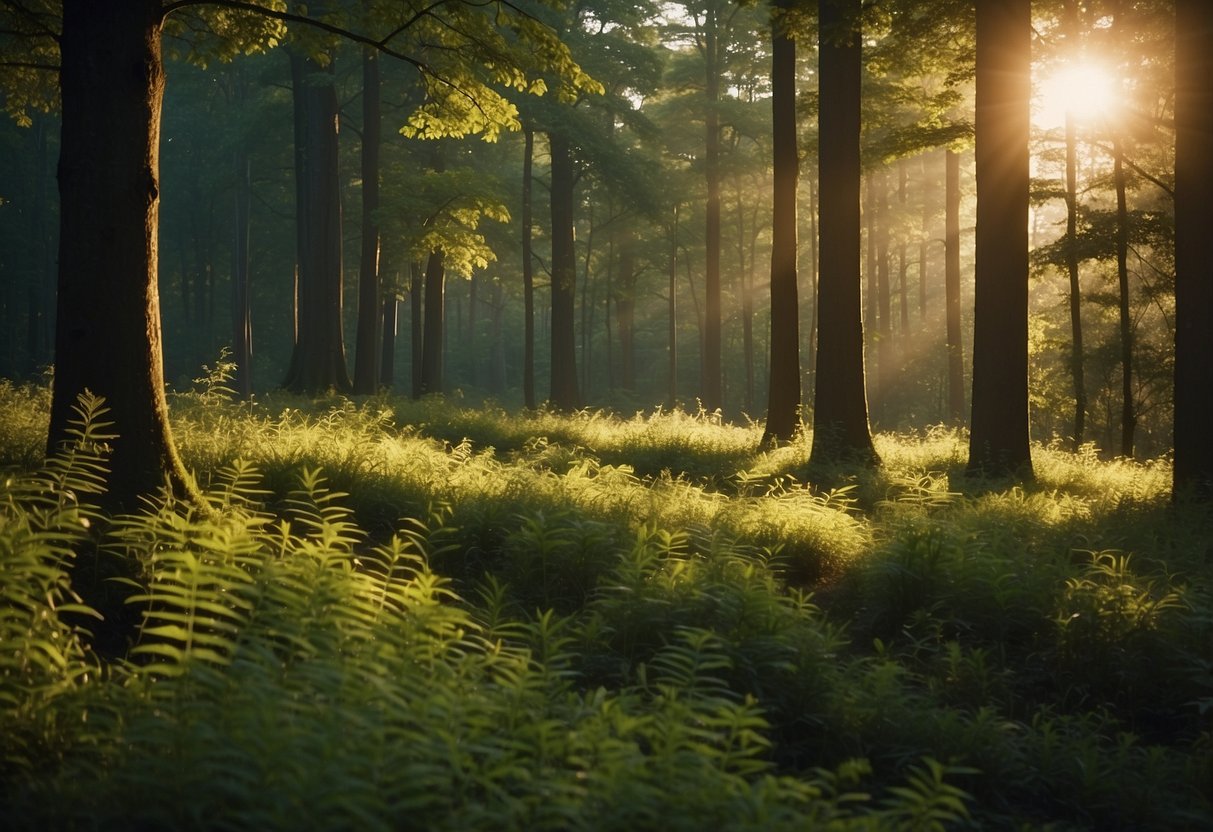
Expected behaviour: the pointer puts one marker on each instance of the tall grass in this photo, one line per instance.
(408, 615)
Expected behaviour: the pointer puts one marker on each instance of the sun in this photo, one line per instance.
(1088, 90)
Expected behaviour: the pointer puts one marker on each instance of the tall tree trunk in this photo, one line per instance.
(625, 312)
(956, 374)
(840, 416)
(389, 325)
(432, 332)
(497, 383)
(745, 269)
(672, 317)
(564, 394)
(528, 272)
(416, 329)
(242, 324)
(1076, 349)
(884, 305)
(998, 440)
(472, 342)
(924, 241)
(318, 361)
(783, 393)
(1193, 249)
(367, 354)
(811, 363)
(903, 291)
(711, 392)
(1128, 415)
(107, 334)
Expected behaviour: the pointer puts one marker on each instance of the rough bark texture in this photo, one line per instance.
(1193, 248)
(564, 395)
(318, 360)
(840, 416)
(998, 439)
(783, 396)
(108, 337)
(1076, 348)
(367, 352)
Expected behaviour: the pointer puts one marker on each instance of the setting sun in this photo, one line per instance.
(1088, 90)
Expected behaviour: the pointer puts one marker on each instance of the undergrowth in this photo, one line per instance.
(409, 616)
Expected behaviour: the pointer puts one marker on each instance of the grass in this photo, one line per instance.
(416, 615)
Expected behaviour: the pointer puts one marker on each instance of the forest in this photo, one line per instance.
(606, 414)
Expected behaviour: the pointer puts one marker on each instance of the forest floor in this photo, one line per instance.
(418, 615)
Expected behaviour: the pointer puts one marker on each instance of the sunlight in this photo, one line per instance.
(1086, 89)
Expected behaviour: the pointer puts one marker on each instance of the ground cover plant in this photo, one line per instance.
(412, 615)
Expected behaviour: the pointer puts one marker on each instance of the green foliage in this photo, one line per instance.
(379, 625)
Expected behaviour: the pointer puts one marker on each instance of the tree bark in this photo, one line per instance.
(998, 440)
(432, 341)
(711, 392)
(783, 392)
(1128, 416)
(390, 323)
(884, 305)
(956, 375)
(1193, 249)
(242, 324)
(108, 336)
(672, 318)
(564, 395)
(528, 278)
(318, 361)
(367, 353)
(840, 416)
(416, 328)
(1076, 348)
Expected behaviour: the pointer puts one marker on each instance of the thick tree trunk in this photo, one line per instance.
(367, 352)
(528, 279)
(1193, 249)
(884, 304)
(998, 440)
(783, 393)
(951, 257)
(108, 337)
(564, 395)
(318, 361)
(840, 416)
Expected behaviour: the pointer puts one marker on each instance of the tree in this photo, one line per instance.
(783, 402)
(956, 393)
(318, 361)
(1193, 248)
(108, 339)
(367, 354)
(563, 394)
(840, 409)
(998, 439)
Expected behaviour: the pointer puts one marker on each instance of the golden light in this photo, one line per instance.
(1088, 90)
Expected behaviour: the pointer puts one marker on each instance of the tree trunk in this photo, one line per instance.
(528, 278)
(1128, 416)
(783, 392)
(318, 361)
(924, 242)
(672, 322)
(416, 328)
(998, 440)
(389, 324)
(107, 336)
(903, 290)
(884, 305)
(711, 392)
(1193, 249)
(367, 354)
(432, 340)
(625, 312)
(840, 416)
(564, 395)
(1076, 349)
(242, 325)
(956, 374)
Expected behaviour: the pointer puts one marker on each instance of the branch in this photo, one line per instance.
(33, 18)
(1167, 189)
(29, 65)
